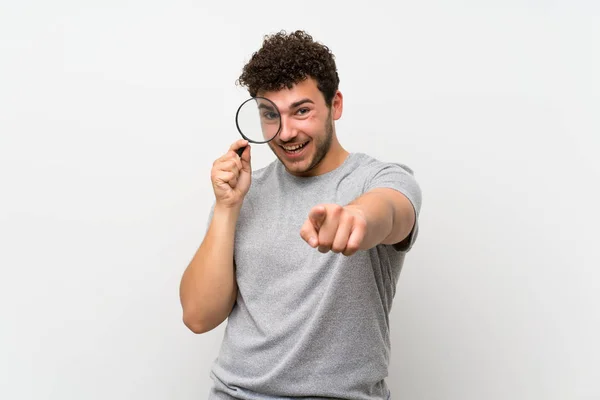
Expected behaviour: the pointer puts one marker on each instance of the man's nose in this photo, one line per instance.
(288, 132)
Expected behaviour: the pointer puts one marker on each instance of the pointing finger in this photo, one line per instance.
(309, 233)
(317, 216)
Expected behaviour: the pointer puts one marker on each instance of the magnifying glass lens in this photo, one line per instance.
(258, 120)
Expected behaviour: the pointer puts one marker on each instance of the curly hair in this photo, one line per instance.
(287, 59)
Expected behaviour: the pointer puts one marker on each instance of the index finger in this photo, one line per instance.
(317, 216)
(309, 233)
(238, 144)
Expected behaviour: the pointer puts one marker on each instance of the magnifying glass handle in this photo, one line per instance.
(240, 151)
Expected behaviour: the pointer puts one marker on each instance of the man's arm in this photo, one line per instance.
(380, 216)
(208, 288)
(390, 216)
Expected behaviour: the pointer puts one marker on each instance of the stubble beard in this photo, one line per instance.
(322, 147)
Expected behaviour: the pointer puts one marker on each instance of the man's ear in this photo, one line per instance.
(337, 105)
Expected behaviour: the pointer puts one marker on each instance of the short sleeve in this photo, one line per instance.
(401, 178)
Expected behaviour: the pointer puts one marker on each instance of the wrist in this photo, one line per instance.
(227, 212)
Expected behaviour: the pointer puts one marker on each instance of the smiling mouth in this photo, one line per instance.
(295, 148)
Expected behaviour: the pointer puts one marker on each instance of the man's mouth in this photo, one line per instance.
(294, 148)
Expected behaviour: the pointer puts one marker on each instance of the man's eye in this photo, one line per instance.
(270, 115)
(303, 111)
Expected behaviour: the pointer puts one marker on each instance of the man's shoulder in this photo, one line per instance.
(261, 174)
(371, 164)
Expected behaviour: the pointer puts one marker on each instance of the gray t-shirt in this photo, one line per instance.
(307, 324)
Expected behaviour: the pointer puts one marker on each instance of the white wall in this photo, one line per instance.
(111, 113)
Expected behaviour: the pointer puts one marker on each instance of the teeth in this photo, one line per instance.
(292, 148)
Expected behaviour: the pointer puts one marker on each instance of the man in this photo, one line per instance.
(301, 257)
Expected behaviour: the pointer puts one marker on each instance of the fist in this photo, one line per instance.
(331, 227)
(231, 175)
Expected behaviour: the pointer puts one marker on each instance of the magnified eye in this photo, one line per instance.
(258, 120)
(270, 115)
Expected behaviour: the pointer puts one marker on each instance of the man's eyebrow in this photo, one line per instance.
(266, 106)
(300, 102)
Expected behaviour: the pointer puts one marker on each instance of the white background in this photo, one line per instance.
(112, 112)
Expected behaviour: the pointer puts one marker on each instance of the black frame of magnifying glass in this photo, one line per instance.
(240, 130)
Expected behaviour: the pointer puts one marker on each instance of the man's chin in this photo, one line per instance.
(299, 167)
(294, 166)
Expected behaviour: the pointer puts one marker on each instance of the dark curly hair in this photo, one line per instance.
(286, 59)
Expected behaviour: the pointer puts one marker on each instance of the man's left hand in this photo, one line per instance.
(331, 227)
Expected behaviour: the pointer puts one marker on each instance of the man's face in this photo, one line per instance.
(307, 131)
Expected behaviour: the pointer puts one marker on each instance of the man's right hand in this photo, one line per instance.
(231, 176)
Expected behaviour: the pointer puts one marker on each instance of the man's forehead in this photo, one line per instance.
(302, 92)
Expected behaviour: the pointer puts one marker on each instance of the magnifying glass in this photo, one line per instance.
(258, 120)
